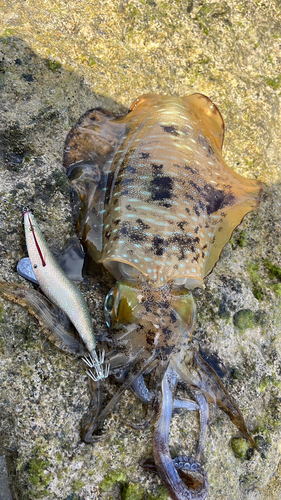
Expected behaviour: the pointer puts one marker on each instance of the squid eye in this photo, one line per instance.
(108, 307)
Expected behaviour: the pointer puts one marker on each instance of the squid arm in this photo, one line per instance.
(53, 321)
(224, 401)
(95, 422)
(149, 421)
(184, 477)
(141, 391)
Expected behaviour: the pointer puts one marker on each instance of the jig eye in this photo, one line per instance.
(108, 307)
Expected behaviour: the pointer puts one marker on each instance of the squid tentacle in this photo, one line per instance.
(204, 421)
(96, 421)
(94, 410)
(223, 399)
(141, 391)
(186, 404)
(149, 421)
(183, 477)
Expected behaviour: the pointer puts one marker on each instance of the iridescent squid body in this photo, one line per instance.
(155, 203)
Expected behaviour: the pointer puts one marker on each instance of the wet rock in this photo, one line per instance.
(79, 58)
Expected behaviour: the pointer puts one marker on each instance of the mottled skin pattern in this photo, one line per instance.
(154, 203)
(164, 200)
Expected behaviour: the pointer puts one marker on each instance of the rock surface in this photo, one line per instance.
(58, 59)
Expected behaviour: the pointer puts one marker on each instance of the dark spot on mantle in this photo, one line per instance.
(170, 130)
(161, 188)
(217, 199)
(158, 245)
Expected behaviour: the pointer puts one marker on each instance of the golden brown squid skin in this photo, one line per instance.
(154, 198)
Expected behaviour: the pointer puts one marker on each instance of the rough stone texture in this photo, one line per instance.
(5, 493)
(58, 59)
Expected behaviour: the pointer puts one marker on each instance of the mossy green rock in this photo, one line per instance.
(269, 381)
(36, 472)
(240, 447)
(242, 240)
(111, 479)
(133, 492)
(275, 271)
(244, 319)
